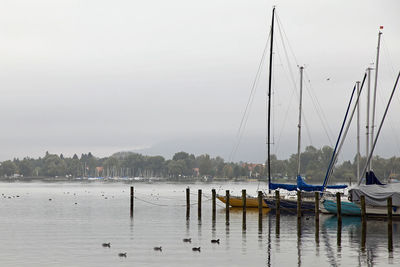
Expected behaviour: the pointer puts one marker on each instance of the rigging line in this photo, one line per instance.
(280, 27)
(387, 53)
(390, 120)
(389, 63)
(380, 126)
(319, 110)
(334, 156)
(307, 128)
(250, 99)
(284, 34)
(283, 125)
(288, 61)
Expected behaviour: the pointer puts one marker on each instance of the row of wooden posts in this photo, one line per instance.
(277, 211)
(277, 201)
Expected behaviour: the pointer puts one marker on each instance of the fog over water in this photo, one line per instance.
(159, 77)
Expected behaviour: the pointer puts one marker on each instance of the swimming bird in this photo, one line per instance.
(106, 245)
(122, 254)
(158, 248)
(188, 240)
(215, 241)
(196, 249)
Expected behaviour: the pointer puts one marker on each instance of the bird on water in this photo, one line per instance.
(106, 245)
(158, 248)
(196, 249)
(187, 240)
(215, 241)
(122, 254)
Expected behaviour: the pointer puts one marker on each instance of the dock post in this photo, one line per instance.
(316, 211)
(316, 207)
(298, 205)
(339, 209)
(214, 194)
(227, 208)
(363, 223)
(187, 203)
(390, 224)
(132, 197)
(260, 207)
(244, 208)
(199, 205)
(278, 203)
(363, 214)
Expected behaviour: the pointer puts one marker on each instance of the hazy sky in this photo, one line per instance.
(104, 76)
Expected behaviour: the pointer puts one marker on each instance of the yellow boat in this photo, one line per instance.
(236, 202)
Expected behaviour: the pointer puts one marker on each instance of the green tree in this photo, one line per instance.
(8, 168)
(54, 166)
(26, 167)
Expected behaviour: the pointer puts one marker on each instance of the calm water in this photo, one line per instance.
(36, 231)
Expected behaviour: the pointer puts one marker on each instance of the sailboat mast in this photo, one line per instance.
(299, 125)
(375, 86)
(368, 98)
(358, 130)
(269, 100)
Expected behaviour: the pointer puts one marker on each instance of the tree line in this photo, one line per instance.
(314, 163)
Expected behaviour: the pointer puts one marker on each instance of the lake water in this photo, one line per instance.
(65, 224)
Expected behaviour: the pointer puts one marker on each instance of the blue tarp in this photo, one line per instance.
(288, 187)
(371, 178)
(303, 186)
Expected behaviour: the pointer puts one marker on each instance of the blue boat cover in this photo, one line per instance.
(370, 178)
(303, 186)
(288, 187)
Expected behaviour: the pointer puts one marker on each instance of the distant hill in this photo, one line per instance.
(250, 150)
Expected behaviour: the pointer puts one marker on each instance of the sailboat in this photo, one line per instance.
(289, 203)
(375, 192)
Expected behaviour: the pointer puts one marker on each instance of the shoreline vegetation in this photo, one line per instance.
(185, 167)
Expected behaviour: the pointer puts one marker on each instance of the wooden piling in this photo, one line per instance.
(132, 197)
(363, 223)
(298, 205)
(244, 208)
(199, 204)
(187, 203)
(339, 235)
(260, 207)
(278, 203)
(339, 209)
(363, 214)
(227, 208)
(390, 224)
(214, 195)
(316, 207)
(363, 236)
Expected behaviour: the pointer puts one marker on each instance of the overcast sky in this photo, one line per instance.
(105, 76)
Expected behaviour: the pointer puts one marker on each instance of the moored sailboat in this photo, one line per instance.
(288, 203)
(375, 193)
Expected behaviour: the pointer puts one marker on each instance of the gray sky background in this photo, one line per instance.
(164, 76)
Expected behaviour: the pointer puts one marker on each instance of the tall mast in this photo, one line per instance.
(375, 86)
(299, 125)
(269, 100)
(358, 130)
(368, 98)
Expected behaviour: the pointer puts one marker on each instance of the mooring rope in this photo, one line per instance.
(168, 205)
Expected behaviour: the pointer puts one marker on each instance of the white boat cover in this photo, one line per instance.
(377, 195)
